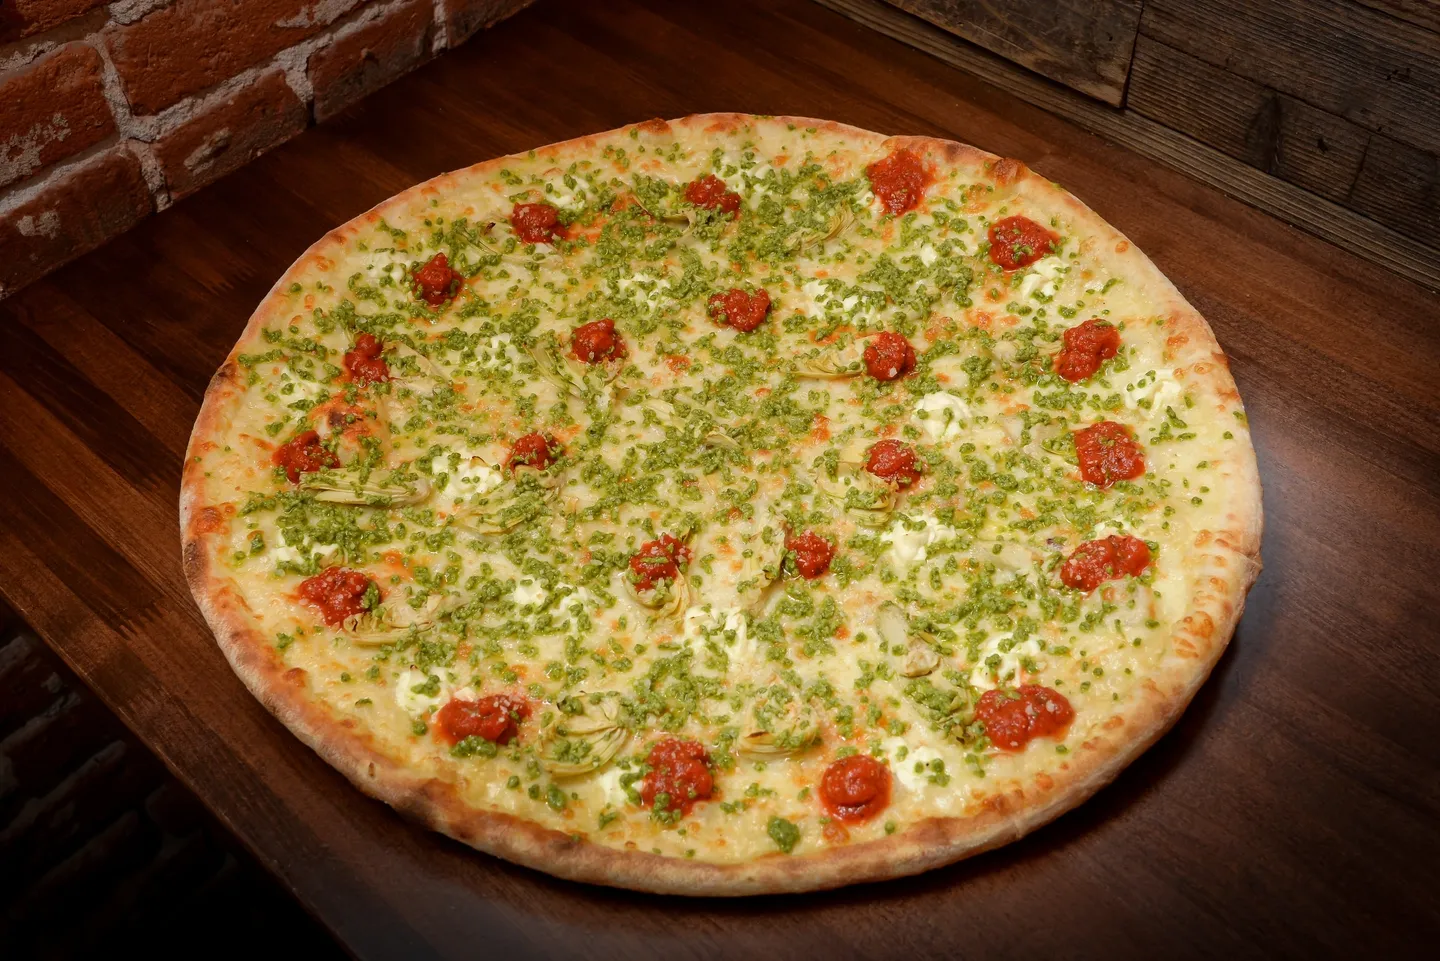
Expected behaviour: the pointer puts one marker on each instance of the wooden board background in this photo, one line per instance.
(1084, 44)
(1339, 98)
(1293, 811)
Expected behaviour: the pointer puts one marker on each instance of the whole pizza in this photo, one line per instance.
(722, 506)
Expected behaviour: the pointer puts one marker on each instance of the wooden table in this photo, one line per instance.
(1294, 810)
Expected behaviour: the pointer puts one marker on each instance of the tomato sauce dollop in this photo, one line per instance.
(364, 363)
(1108, 453)
(855, 788)
(899, 181)
(739, 309)
(1087, 346)
(813, 554)
(596, 342)
(1107, 559)
(338, 592)
(1011, 722)
(436, 282)
(495, 718)
(534, 450)
(536, 223)
(658, 560)
(680, 770)
(1017, 242)
(303, 454)
(894, 461)
(888, 356)
(711, 193)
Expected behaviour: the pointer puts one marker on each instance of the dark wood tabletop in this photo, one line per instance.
(1293, 811)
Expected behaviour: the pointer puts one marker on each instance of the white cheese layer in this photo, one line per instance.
(414, 702)
(910, 547)
(942, 415)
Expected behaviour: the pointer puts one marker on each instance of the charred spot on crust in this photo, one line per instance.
(1007, 171)
(225, 375)
(296, 676)
(193, 560)
(207, 520)
(655, 126)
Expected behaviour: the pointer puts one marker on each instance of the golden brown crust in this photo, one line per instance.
(1226, 564)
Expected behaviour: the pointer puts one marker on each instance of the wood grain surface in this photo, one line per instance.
(1084, 44)
(1294, 810)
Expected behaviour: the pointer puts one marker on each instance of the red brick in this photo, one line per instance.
(192, 45)
(230, 134)
(23, 18)
(53, 109)
(362, 62)
(464, 17)
(77, 213)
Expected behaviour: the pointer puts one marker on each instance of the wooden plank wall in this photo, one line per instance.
(1084, 44)
(1340, 98)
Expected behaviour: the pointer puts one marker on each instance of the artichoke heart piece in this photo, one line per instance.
(831, 362)
(366, 487)
(711, 435)
(666, 599)
(667, 214)
(893, 626)
(758, 572)
(840, 221)
(1006, 555)
(507, 507)
(390, 622)
(569, 375)
(920, 659)
(866, 499)
(586, 742)
(427, 381)
(779, 743)
(1061, 444)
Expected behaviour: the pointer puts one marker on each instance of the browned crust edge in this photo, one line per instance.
(1223, 573)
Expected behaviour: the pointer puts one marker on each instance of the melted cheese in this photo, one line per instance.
(944, 415)
(413, 702)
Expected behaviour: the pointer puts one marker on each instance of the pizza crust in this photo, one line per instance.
(1223, 569)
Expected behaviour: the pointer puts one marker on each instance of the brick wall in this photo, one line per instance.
(110, 111)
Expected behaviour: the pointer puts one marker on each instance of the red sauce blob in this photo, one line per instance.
(679, 769)
(813, 553)
(338, 592)
(495, 718)
(710, 192)
(596, 342)
(1012, 721)
(536, 223)
(1087, 346)
(899, 180)
(364, 363)
(534, 450)
(436, 283)
(1107, 559)
(303, 454)
(855, 788)
(895, 461)
(888, 356)
(658, 560)
(741, 310)
(1017, 242)
(1108, 454)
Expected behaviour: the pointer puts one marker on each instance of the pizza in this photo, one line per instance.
(727, 505)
